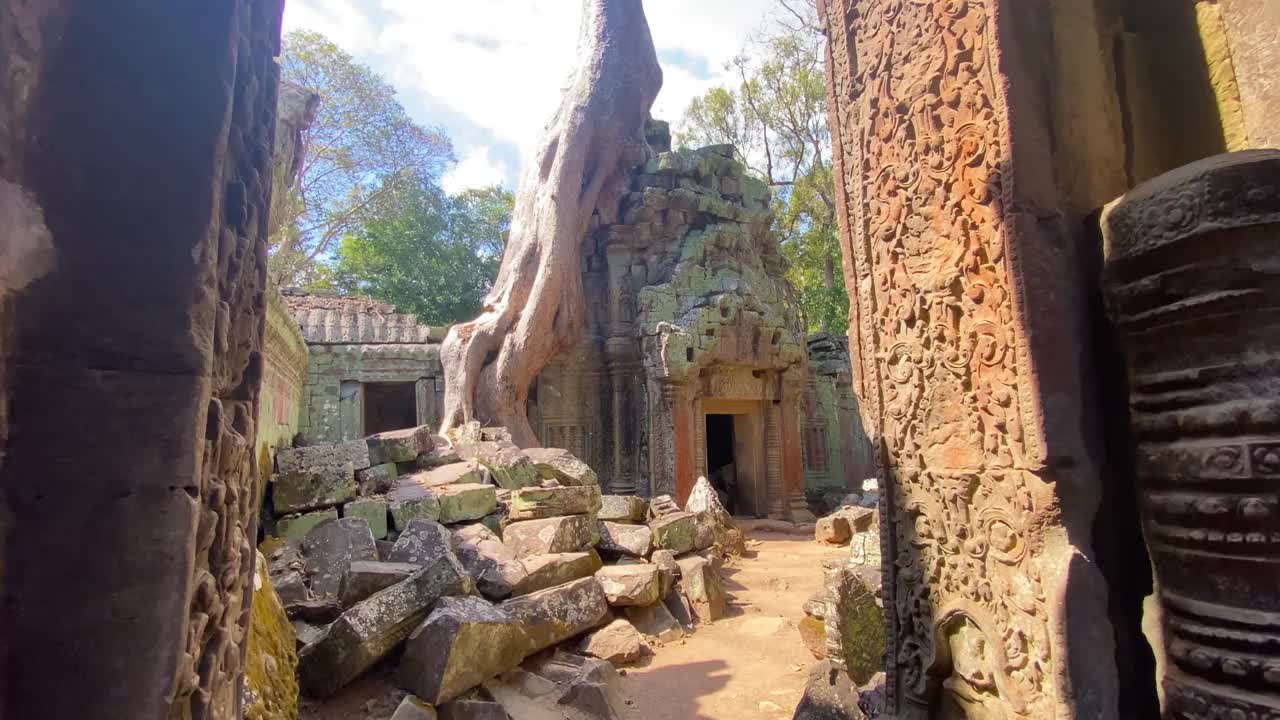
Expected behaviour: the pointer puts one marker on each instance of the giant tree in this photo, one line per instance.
(580, 167)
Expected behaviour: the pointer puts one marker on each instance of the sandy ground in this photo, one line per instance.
(750, 665)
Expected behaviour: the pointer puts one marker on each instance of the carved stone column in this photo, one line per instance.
(792, 454)
(1193, 286)
(775, 484)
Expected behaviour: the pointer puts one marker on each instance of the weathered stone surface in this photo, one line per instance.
(556, 614)
(832, 529)
(551, 535)
(623, 509)
(561, 465)
(423, 542)
(330, 548)
(491, 564)
(317, 611)
(813, 633)
(855, 626)
(398, 446)
(510, 468)
(860, 519)
(442, 453)
(704, 534)
(829, 695)
(407, 504)
(370, 630)
(460, 503)
(864, 548)
(701, 584)
(545, 571)
(621, 539)
(668, 570)
(306, 633)
(288, 571)
(678, 605)
(413, 708)
(366, 577)
(617, 643)
(313, 488)
(462, 643)
(562, 685)
(674, 532)
(663, 505)
(629, 585)
(377, 480)
(457, 473)
(655, 621)
(315, 457)
(271, 690)
(538, 503)
(473, 710)
(374, 512)
(296, 527)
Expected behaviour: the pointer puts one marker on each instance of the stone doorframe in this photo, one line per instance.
(749, 448)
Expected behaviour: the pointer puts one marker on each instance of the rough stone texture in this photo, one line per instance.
(464, 642)
(864, 548)
(366, 577)
(1250, 28)
(617, 643)
(832, 529)
(562, 466)
(668, 569)
(412, 502)
(700, 581)
(538, 503)
(1198, 341)
(855, 630)
(545, 571)
(373, 511)
(678, 606)
(412, 708)
(491, 564)
(630, 585)
(271, 690)
(674, 532)
(623, 509)
(813, 633)
(473, 710)
(378, 479)
(288, 571)
(330, 548)
(323, 456)
(510, 467)
(829, 695)
(423, 542)
(397, 446)
(551, 535)
(313, 488)
(556, 614)
(460, 503)
(456, 473)
(632, 540)
(371, 629)
(972, 357)
(656, 621)
(296, 527)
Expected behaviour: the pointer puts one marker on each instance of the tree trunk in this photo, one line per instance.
(537, 306)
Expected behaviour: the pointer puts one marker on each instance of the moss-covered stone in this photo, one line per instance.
(373, 510)
(296, 527)
(460, 503)
(271, 689)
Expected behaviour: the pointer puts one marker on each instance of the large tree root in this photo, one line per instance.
(537, 305)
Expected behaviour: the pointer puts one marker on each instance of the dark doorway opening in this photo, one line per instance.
(721, 462)
(389, 406)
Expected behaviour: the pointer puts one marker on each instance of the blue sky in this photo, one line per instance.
(490, 71)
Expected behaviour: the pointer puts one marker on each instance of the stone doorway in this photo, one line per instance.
(734, 441)
(389, 406)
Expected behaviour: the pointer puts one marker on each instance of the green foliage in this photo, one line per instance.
(776, 116)
(427, 253)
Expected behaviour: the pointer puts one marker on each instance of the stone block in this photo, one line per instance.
(617, 643)
(556, 614)
(678, 605)
(864, 548)
(369, 630)
(655, 621)
(674, 532)
(562, 466)
(663, 505)
(855, 624)
(457, 473)
(621, 539)
(296, 527)
(398, 445)
(441, 453)
(623, 509)
(544, 502)
(492, 565)
(377, 480)
(829, 694)
(473, 710)
(409, 504)
(700, 581)
(860, 519)
(460, 503)
(630, 585)
(374, 512)
(463, 642)
(832, 530)
(510, 468)
(546, 571)
(328, 455)
(271, 689)
(330, 548)
(310, 489)
(668, 570)
(423, 542)
(813, 633)
(412, 708)
(366, 577)
(572, 533)
(306, 633)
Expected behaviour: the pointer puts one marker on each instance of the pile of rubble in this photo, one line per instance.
(854, 521)
(511, 583)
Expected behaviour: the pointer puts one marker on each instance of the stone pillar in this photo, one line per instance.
(792, 452)
(663, 438)
(774, 480)
(426, 401)
(133, 366)
(682, 424)
(351, 411)
(699, 438)
(971, 340)
(1193, 287)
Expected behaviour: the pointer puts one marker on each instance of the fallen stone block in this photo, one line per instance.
(463, 642)
(701, 584)
(656, 621)
(399, 445)
(623, 509)
(296, 527)
(461, 503)
(855, 624)
(458, 473)
(537, 503)
(321, 611)
(864, 548)
(832, 530)
(328, 455)
(270, 687)
(556, 614)
(621, 539)
(829, 695)
(668, 570)
(674, 532)
(492, 565)
(441, 453)
(629, 585)
(423, 542)
(311, 489)
(572, 533)
(510, 468)
(407, 504)
(678, 605)
(330, 548)
(384, 548)
(546, 571)
(412, 708)
(473, 710)
(374, 512)
(813, 633)
(306, 633)
(704, 533)
(366, 577)
(860, 519)
(561, 465)
(617, 643)
(377, 480)
(371, 629)
(663, 505)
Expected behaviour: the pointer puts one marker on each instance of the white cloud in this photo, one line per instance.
(491, 71)
(475, 170)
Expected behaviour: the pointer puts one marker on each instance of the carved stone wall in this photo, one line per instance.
(132, 366)
(283, 380)
(1193, 284)
(970, 349)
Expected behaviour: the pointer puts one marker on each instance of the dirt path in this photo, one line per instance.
(750, 665)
